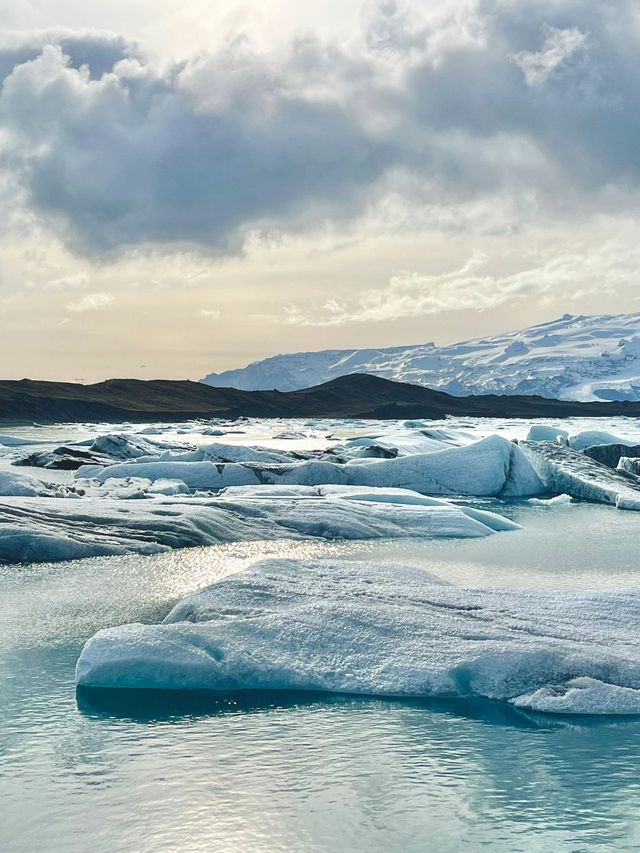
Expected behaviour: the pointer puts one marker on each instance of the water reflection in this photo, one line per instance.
(142, 772)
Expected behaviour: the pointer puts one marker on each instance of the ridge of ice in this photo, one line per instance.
(37, 529)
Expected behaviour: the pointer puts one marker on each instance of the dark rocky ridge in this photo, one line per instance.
(353, 396)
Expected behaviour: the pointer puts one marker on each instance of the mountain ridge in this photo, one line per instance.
(575, 357)
(352, 396)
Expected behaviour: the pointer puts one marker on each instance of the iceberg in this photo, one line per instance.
(21, 485)
(544, 432)
(490, 467)
(593, 437)
(566, 471)
(611, 454)
(15, 441)
(388, 630)
(413, 441)
(37, 529)
(630, 465)
(99, 452)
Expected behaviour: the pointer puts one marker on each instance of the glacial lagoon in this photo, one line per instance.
(282, 770)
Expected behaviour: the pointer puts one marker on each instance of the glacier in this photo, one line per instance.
(382, 629)
(571, 358)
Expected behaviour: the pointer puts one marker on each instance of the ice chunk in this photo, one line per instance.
(589, 438)
(35, 529)
(610, 454)
(381, 629)
(123, 446)
(544, 432)
(20, 484)
(582, 696)
(631, 466)
(567, 471)
(413, 441)
(64, 458)
(558, 500)
(99, 452)
(16, 441)
(168, 487)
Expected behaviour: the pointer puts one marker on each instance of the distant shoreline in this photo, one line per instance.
(360, 396)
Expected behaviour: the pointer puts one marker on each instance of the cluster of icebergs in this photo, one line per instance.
(140, 494)
(360, 628)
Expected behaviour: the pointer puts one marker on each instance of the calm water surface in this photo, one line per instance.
(266, 772)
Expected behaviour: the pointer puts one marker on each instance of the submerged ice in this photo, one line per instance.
(367, 628)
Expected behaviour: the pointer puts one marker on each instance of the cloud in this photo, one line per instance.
(91, 302)
(524, 106)
(559, 46)
(68, 282)
(472, 287)
(210, 313)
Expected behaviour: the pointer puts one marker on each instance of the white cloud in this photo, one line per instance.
(68, 282)
(91, 302)
(610, 268)
(559, 46)
(210, 313)
(112, 149)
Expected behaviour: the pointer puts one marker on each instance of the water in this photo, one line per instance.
(107, 772)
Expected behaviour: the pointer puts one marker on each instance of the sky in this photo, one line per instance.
(189, 187)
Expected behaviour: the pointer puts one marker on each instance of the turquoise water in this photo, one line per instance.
(108, 772)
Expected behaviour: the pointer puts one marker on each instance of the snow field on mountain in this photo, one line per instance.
(571, 358)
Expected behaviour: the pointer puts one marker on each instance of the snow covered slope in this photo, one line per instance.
(573, 358)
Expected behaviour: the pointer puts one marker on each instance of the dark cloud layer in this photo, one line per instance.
(488, 100)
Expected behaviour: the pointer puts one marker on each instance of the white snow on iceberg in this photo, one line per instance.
(367, 628)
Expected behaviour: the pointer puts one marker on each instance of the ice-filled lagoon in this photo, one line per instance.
(268, 771)
(285, 771)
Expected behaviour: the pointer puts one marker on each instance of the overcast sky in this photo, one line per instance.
(188, 187)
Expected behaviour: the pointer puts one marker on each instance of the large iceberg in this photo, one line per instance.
(37, 529)
(490, 467)
(566, 471)
(367, 628)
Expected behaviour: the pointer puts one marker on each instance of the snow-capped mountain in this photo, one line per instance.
(573, 358)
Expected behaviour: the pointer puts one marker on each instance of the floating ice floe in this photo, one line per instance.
(15, 484)
(592, 437)
(629, 465)
(558, 500)
(490, 467)
(611, 454)
(100, 452)
(564, 470)
(15, 441)
(34, 529)
(544, 432)
(367, 628)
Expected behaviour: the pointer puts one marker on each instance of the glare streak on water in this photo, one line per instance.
(289, 772)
